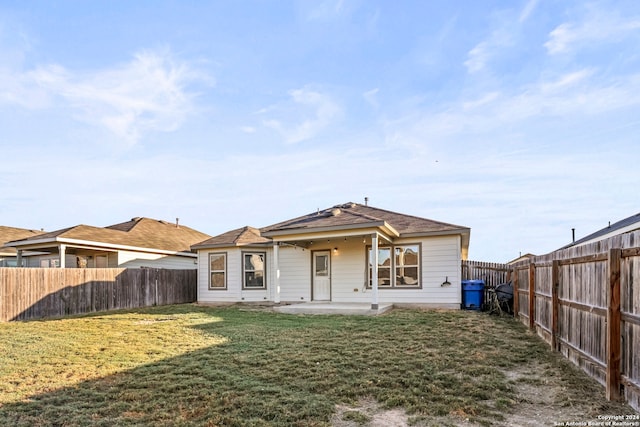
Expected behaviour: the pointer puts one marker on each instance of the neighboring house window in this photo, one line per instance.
(253, 266)
(102, 261)
(48, 263)
(218, 271)
(404, 263)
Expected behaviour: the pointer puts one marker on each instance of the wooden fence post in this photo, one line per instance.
(613, 325)
(555, 303)
(516, 294)
(532, 295)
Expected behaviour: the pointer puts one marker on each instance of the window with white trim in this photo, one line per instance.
(218, 270)
(407, 261)
(384, 266)
(254, 269)
(398, 266)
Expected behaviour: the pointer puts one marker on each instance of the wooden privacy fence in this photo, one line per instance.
(492, 273)
(35, 293)
(585, 303)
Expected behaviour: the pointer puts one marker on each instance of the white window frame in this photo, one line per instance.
(381, 267)
(245, 271)
(223, 271)
(416, 266)
(393, 267)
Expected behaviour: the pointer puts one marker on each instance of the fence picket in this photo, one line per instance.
(591, 315)
(35, 293)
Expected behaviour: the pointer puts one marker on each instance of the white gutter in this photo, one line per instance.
(87, 244)
(376, 224)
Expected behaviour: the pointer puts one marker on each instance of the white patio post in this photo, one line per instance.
(276, 267)
(63, 256)
(374, 271)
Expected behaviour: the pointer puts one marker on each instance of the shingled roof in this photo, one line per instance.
(342, 216)
(8, 234)
(239, 237)
(626, 225)
(356, 214)
(138, 232)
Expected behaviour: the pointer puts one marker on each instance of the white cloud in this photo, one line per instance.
(572, 95)
(371, 97)
(527, 10)
(16, 89)
(315, 111)
(327, 9)
(597, 26)
(565, 81)
(145, 95)
(480, 102)
(560, 38)
(480, 55)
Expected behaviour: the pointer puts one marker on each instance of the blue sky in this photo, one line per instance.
(518, 119)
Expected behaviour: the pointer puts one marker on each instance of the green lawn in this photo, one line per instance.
(190, 365)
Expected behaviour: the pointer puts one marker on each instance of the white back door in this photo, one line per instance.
(321, 276)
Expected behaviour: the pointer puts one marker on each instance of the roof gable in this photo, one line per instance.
(159, 234)
(357, 214)
(340, 217)
(243, 236)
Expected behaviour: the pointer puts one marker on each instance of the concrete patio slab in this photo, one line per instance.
(345, 308)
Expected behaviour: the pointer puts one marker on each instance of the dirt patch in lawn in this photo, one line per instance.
(368, 412)
(543, 397)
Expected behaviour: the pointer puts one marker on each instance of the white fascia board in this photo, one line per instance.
(87, 244)
(390, 230)
(333, 231)
(462, 231)
(621, 230)
(232, 246)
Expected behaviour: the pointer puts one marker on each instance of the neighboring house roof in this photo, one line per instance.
(239, 237)
(626, 225)
(8, 234)
(347, 216)
(139, 232)
(151, 233)
(521, 258)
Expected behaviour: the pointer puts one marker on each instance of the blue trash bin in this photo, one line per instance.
(472, 294)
